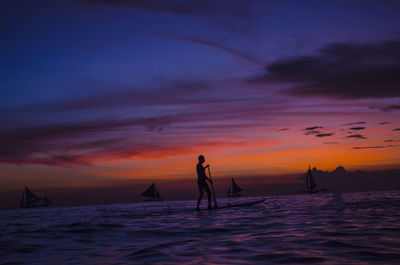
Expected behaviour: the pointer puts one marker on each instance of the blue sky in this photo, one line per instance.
(97, 81)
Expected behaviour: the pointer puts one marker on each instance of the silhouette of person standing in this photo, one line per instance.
(202, 183)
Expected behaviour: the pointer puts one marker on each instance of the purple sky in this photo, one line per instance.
(124, 87)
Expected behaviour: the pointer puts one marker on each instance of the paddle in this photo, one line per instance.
(212, 187)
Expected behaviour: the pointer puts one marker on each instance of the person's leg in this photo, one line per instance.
(200, 197)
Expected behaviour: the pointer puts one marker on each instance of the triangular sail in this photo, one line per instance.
(235, 188)
(152, 192)
(310, 182)
(31, 198)
(158, 194)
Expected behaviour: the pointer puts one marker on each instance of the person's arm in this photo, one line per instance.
(206, 174)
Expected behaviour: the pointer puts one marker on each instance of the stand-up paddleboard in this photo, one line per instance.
(241, 204)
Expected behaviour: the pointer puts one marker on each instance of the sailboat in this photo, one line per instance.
(152, 193)
(234, 189)
(310, 182)
(30, 199)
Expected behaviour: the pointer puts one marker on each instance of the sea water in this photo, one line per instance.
(326, 228)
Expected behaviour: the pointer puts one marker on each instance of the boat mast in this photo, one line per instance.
(308, 180)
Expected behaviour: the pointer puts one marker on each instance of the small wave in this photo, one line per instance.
(111, 225)
(154, 250)
(24, 248)
(78, 224)
(301, 260)
(159, 233)
(374, 255)
(340, 244)
(286, 229)
(83, 231)
(269, 256)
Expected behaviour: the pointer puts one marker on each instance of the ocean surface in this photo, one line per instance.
(326, 228)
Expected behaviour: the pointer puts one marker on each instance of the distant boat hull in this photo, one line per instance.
(34, 206)
(318, 191)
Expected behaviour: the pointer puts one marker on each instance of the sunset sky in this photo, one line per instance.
(100, 91)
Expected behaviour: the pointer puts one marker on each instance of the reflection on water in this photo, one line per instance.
(348, 228)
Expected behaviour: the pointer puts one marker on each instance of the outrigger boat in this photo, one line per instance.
(152, 193)
(310, 182)
(30, 199)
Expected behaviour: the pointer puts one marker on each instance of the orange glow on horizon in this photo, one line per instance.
(228, 158)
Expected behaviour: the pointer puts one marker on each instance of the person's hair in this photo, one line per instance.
(201, 157)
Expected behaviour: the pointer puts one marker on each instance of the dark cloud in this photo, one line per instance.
(357, 128)
(368, 147)
(311, 132)
(283, 129)
(341, 71)
(373, 147)
(324, 134)
(353, 123)
(391, 108)
(75, 143)
(397, 129)
(316, 131)
(313, 128)
(358, 136)
(188, 98)
(92, 141)
(384, 123)
(389, 141)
